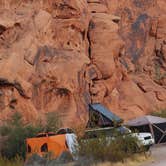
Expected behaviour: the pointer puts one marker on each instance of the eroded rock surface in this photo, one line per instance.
(60, 56)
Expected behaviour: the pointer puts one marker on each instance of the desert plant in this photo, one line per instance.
(107, 149)
(79, 130)
(17, 161)
(17, 132)
(158, 74)
(53, 122)
(160, 113)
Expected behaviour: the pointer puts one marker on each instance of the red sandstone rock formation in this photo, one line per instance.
(60, 56)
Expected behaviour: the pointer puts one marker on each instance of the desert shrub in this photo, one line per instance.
(160, 113)
(16, 133)
(53, 122)
(107, 149)
(159, 76)
(17, 161)
(79, 130)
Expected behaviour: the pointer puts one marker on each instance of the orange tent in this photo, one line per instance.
(46, 145)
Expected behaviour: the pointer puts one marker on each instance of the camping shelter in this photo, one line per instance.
(155, 125)
(100, 116)
(44, 144)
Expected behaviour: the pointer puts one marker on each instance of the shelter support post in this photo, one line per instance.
(163, 133)
(151, 130)
(161, 138)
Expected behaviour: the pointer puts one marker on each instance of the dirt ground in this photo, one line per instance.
(157, 158)
(158, 155)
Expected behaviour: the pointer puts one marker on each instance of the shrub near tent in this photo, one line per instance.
(16, 132)
(97, 147)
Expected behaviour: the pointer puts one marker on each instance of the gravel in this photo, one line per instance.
(158, 155)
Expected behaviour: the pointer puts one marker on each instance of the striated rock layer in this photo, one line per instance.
(60, 56)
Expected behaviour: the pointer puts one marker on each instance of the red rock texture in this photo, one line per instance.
(60, 56)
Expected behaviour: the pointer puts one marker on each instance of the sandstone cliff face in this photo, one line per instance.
(60, 56)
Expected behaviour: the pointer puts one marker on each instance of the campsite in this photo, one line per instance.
(105, 124)
(82, 82)
(104, 128)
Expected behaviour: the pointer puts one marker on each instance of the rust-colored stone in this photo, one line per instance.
(60, 56)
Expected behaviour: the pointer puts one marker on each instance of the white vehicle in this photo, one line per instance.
(144, 139)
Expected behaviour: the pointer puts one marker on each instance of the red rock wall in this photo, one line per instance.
(60, 56)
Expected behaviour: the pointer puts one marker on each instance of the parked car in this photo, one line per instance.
(144, 139)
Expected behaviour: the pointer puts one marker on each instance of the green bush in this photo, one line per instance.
(16, 133)
(53, 122)
(108, 149)
(17, 161)
(161, 113)
(159, 76)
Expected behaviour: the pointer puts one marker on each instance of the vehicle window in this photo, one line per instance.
(41, 135)
(44, 148)
(29, 149)
(61, 131)
(65, 131)
(123, 130)
(51, 134)
(97, 133)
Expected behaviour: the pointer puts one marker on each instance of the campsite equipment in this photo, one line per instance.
(51, 145)
(100, 116)
(155, 125)
(44, 144)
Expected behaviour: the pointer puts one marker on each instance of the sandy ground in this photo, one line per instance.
(158, 155)
(157, 158)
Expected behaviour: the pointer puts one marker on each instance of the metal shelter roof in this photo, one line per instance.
(105, 112)
(145, 120)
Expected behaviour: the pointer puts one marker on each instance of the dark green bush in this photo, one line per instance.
(16, 133)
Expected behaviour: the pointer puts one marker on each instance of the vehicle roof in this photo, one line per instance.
(99, 129)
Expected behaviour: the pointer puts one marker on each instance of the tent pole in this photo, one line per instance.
(151, 130)
(158, 128)
(163, 133)
(102, 119)
(161, 138)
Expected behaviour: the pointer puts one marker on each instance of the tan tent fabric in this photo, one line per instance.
(157, 126)
(145, 120)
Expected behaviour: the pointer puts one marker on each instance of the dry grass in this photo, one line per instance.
(136, 160)
(15, 162)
